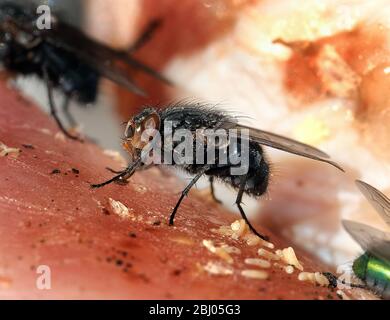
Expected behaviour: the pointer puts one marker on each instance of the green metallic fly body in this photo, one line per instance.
(373, 267)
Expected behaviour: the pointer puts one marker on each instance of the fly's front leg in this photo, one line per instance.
(243, 215)
(122, 176)
(185, 193)
(123, 180)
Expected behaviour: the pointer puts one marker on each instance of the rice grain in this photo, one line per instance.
(258, 262)
(268, 255)
(214, 268)
(119, 208)
(254, 274)
(5, 150)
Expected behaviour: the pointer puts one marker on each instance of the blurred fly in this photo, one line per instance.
(194, 117)
(373, 267)
(65, 58)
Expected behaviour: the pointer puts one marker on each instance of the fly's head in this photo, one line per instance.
(17, 29)
(140, 130)
(7, 35)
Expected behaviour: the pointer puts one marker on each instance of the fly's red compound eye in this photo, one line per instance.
(129, 132)
(151, 122)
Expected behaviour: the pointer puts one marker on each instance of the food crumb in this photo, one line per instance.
(5, 150)
(258, 262)
(321, 279)
(115, 155)
(254, 240)
(231, 249)
(5, 282)
(60, 136)
(119, 208)
(288, 256)
(223, 231)
(289, 269)
(215, 268)
(342, 295)
(219, 251)
(268, 255)
(239, 228)
(254, 274)
(306, 276)
(56, 171)
(45, 131)
(183, 240)
(140, 189)
(316, 277)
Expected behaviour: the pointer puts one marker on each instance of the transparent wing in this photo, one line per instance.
(377, 199)
(109, 62)
(285, 144)
(370, 239)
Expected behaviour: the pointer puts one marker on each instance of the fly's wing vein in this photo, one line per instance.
(371, 239)
(108, 62)
(283, 143)
(377, 199)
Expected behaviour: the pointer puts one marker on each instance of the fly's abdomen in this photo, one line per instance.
(252, 166)
(74, 77)
(375, 273)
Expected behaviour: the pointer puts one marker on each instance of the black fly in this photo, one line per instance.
(65, 58)
(192, 118)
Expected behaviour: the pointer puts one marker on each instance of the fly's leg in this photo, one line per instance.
(122, 180)
(113, 171)
(53, 109)
(211, 179)
(69, 117)
(185, 193)
(146, 35)
(333, 281)
(243, 215)
(331, 278)
(124, 175)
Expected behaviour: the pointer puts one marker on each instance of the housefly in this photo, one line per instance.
(65, 58)
(196, 119)
(373, 267)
